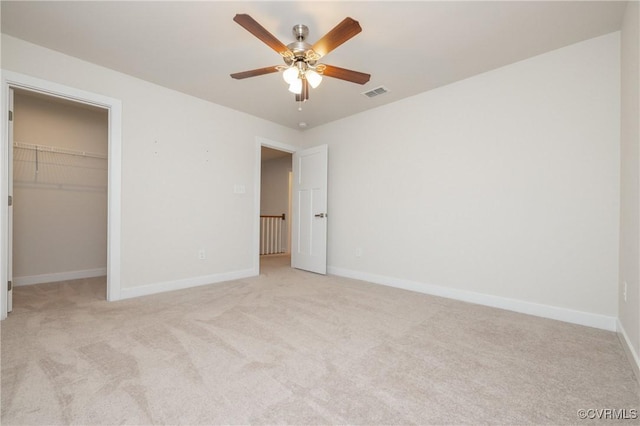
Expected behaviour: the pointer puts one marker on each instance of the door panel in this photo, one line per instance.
(309, 227)
(305, 212)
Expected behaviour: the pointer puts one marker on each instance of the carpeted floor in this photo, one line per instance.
(297, 348)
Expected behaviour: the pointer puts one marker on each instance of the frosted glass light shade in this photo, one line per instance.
(290, 75)
(296, 86)
(313, 78)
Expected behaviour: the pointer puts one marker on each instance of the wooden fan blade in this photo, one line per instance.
(345, 74)
(251, 25)
(339, 34)
(254, 73)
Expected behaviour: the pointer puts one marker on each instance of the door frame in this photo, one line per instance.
(260, 142)
(114, 108)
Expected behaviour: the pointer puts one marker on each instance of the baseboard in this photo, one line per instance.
(59, 276)
(634, 359)
(161, 287)
(603, 322)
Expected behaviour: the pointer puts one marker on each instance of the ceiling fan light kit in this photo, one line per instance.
(296, 86)
(314, 78)
(290, 75)
(301, 58)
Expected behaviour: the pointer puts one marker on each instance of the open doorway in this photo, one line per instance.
(275, 203)
(60, 190)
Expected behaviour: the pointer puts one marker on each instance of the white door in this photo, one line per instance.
(309, 233)
(10, 214)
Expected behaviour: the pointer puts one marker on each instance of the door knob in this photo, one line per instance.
(321, 215)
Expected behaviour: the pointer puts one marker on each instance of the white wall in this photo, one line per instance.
(274, 192)
(181, 157)
(630, 177)
(60, 206)
(505, 184)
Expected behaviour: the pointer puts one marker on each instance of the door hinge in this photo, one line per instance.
(10, 115)
(10, 200)
(9, 286)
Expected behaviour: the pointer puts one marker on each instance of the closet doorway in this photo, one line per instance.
(60, 190)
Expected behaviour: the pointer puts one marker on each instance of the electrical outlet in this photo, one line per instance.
(201, 254)
(358, 252)
(624, 290)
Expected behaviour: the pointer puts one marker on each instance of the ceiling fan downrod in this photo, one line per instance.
(300, 32)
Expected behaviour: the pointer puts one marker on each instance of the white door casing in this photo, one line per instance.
(114, 106)
(309, 221)
(260, 142)
(10, 209)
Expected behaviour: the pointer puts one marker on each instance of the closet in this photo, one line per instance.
(59, 189)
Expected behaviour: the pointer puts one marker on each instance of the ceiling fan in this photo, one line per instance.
(301, 68)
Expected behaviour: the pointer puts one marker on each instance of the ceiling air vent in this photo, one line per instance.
(381, 90)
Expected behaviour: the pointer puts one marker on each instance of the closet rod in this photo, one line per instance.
(56, 150)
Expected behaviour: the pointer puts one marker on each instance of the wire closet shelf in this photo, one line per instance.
(58, 168)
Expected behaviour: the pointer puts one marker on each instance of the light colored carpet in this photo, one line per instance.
(297, 348)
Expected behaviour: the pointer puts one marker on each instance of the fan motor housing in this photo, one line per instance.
(299, 48)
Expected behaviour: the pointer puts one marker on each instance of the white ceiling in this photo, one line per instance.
(409, 47)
